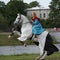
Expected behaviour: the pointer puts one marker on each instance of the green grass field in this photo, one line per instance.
(4, 41)
(55, 56)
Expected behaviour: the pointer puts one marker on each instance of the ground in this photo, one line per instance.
(13, 41)
(4, 41)
(55, 56)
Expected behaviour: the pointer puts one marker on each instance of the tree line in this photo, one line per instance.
(8, 13)
(54, 16)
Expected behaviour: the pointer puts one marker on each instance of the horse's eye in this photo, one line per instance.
(18, 18)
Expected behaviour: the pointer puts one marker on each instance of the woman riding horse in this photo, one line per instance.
(37, 30)
(43, 37)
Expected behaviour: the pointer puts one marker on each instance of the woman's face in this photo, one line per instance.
(33, 14)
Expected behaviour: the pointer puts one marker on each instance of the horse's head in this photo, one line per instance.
(21, 19)
(18, 19)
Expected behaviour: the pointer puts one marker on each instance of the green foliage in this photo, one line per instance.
(48, 23)
(2, 4)
(9, 11)
(12, 8)
(55, 12)
(34, 4)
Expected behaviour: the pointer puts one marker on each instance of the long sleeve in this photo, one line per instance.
(37, 27)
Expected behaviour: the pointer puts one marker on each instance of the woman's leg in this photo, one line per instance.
(35, 40)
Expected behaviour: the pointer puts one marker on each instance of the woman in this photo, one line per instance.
(37, 28)
(45, 41)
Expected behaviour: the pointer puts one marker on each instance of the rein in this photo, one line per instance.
(19, 18)
(26, 23)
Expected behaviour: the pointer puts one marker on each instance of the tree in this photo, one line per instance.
(12, 8)
(2, 10)
(55, 12)
(34, 4)
(2, 4)
(9, 12)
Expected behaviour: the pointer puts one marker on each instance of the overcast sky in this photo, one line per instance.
(44, 3)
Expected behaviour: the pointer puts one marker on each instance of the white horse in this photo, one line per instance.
(26, 33)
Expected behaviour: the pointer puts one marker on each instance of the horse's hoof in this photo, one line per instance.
(37, 58)
(43, 56)
(25, 45)
(41, 59)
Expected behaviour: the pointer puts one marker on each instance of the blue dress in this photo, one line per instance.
(36, 27)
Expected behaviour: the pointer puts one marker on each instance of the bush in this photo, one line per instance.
(50, 23)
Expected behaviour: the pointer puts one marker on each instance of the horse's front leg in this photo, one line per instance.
(12, 33)
(22, 39)
(24, 43)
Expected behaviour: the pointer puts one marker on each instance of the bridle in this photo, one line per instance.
(19, 18)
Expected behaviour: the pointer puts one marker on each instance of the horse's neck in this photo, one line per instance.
(25, 19)
(26, 24)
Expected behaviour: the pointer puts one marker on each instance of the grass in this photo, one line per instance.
(55, 56)
(4, 41)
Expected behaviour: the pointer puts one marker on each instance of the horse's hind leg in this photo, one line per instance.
(42, 56)
(37, 58)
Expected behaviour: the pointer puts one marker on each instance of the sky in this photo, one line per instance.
(44, 3)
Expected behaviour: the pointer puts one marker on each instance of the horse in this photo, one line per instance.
(45, 41)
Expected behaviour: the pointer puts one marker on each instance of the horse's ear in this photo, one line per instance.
(20, 16)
